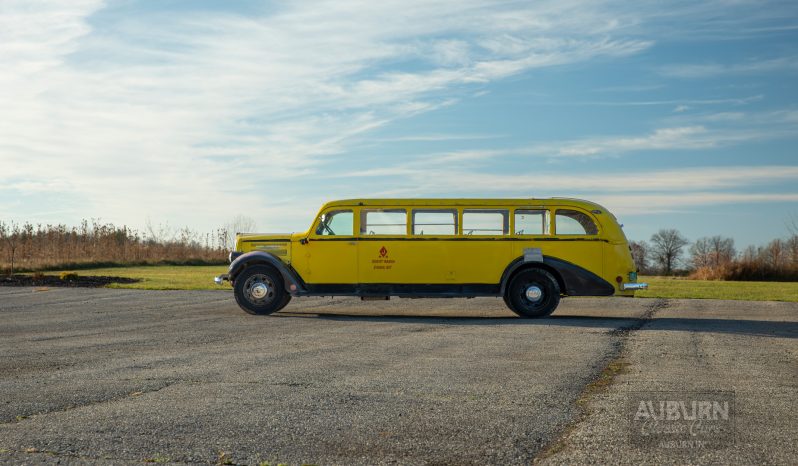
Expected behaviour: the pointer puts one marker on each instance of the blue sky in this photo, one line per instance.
(191, 112)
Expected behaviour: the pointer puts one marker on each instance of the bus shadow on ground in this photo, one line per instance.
(762, 328)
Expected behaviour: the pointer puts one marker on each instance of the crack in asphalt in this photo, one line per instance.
(95, 402)
(82, 457)
(603, 378)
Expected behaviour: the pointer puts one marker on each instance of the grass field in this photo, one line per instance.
(671, 287)
(201, 278)
(164, 277)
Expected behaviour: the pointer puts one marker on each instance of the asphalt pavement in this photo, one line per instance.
(125, 376)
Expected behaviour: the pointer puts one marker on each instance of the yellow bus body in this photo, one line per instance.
(463, 262)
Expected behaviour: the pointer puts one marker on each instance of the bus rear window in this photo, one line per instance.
(573, 222)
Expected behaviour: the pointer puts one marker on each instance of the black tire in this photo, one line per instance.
(533, 280)
(286, 300)
(248, 293)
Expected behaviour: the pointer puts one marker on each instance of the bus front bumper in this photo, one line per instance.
(634, 286)
(221, 278)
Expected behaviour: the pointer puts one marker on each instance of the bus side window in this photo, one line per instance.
(336, 222)
(383, 222)
(531, 222)
(434, 222)
(486, 222)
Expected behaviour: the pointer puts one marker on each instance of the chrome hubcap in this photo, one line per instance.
(259, 290)
(533, 293)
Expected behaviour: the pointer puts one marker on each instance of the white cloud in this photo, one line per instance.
(645, 204)
(624, 191)
(189, 115)
(158, 114)
(688, 137)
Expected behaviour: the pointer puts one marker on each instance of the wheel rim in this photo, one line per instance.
(259, 289)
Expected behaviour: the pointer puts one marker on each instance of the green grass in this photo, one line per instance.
(671, 287)
(164, 277)
(180, 277)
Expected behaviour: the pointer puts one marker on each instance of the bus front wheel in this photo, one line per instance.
(259, 290)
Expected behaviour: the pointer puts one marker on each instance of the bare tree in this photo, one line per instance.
(239, 224)
(666, 248)
(10, 234)
(792, 247)
(163, 233)
(712, 252)
(792, 225)
(640, 255)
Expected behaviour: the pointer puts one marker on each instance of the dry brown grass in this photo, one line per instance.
(29, 247)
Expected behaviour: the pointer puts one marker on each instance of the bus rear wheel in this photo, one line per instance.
(533, 293)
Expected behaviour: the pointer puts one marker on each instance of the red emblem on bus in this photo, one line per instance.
(383, 252)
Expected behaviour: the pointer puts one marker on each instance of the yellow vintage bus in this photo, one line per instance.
(530, 252)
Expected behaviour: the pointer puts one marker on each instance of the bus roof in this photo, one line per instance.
(532, 202)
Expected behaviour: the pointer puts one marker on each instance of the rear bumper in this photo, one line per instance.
(221, 278)
(633, 286)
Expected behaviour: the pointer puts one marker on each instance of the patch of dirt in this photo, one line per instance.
(88, 281)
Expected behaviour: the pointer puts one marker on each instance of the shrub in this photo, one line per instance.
(776, 261)
(68, 276)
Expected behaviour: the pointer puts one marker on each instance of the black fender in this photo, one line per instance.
(293, 282)
(573, 280)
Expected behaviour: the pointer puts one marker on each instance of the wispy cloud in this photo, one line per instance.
(625, 191)
(688, 137)
(650, 204)
(436, 181)
(683, 132)
(705, 70)
(439, 137)
(166, 110)
(125, 114)
(736, 101)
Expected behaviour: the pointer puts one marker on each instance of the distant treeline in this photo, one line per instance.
(776, 261)
(29, 247)
(715, 258)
